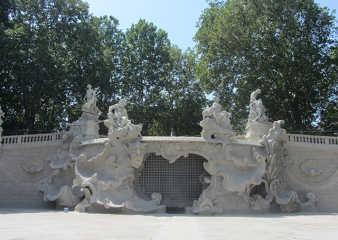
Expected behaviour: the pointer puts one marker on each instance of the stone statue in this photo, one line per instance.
(120, 117)
(216, 122)
(257, 110)
(90, 99)
(88, 123)
(90, 111)
(258, 123)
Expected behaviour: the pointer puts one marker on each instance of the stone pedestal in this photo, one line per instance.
(89, 129)
(255, 131)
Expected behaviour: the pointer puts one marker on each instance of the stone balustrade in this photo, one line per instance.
(43, 139)
(311, 140)
(307, 140)
(31, 140)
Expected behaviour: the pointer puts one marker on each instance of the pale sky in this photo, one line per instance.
(177, 17)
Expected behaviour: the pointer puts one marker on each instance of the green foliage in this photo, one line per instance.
(184, 99)
(146, 64)
(51, 49)
(280, 46)
(50, 52)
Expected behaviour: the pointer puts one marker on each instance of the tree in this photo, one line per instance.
(280, 46)
(146, 64)
(51, 49)
(183, 98)
(329, 114)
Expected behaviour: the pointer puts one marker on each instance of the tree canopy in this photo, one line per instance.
(283, 47)
(51, 49)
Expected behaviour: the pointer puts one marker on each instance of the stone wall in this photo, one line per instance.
(314, 168)
(23, 166)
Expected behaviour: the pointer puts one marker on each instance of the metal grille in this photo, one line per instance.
(180, 183)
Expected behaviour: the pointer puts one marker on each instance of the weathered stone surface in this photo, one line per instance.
(78, 169)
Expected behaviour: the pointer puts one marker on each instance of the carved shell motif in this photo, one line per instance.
(312, 167)
(32, 165)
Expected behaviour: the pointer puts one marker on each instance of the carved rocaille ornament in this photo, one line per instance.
(32, 165)
(244, 174)
(312, 167)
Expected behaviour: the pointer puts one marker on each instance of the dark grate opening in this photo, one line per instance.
(175, 210)
(180, 183)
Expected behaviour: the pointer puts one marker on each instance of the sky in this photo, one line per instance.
(177, 17)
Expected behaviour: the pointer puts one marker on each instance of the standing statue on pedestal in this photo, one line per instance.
(88, 124)
(90, 111)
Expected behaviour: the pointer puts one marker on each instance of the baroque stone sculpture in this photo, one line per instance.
(89, 121)
(107, 176)
(258, 123)
(257, 110)
(312, 167)
(240, 174)
(32, 165)
(90, 111)
(119, 118)
(216, 123)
